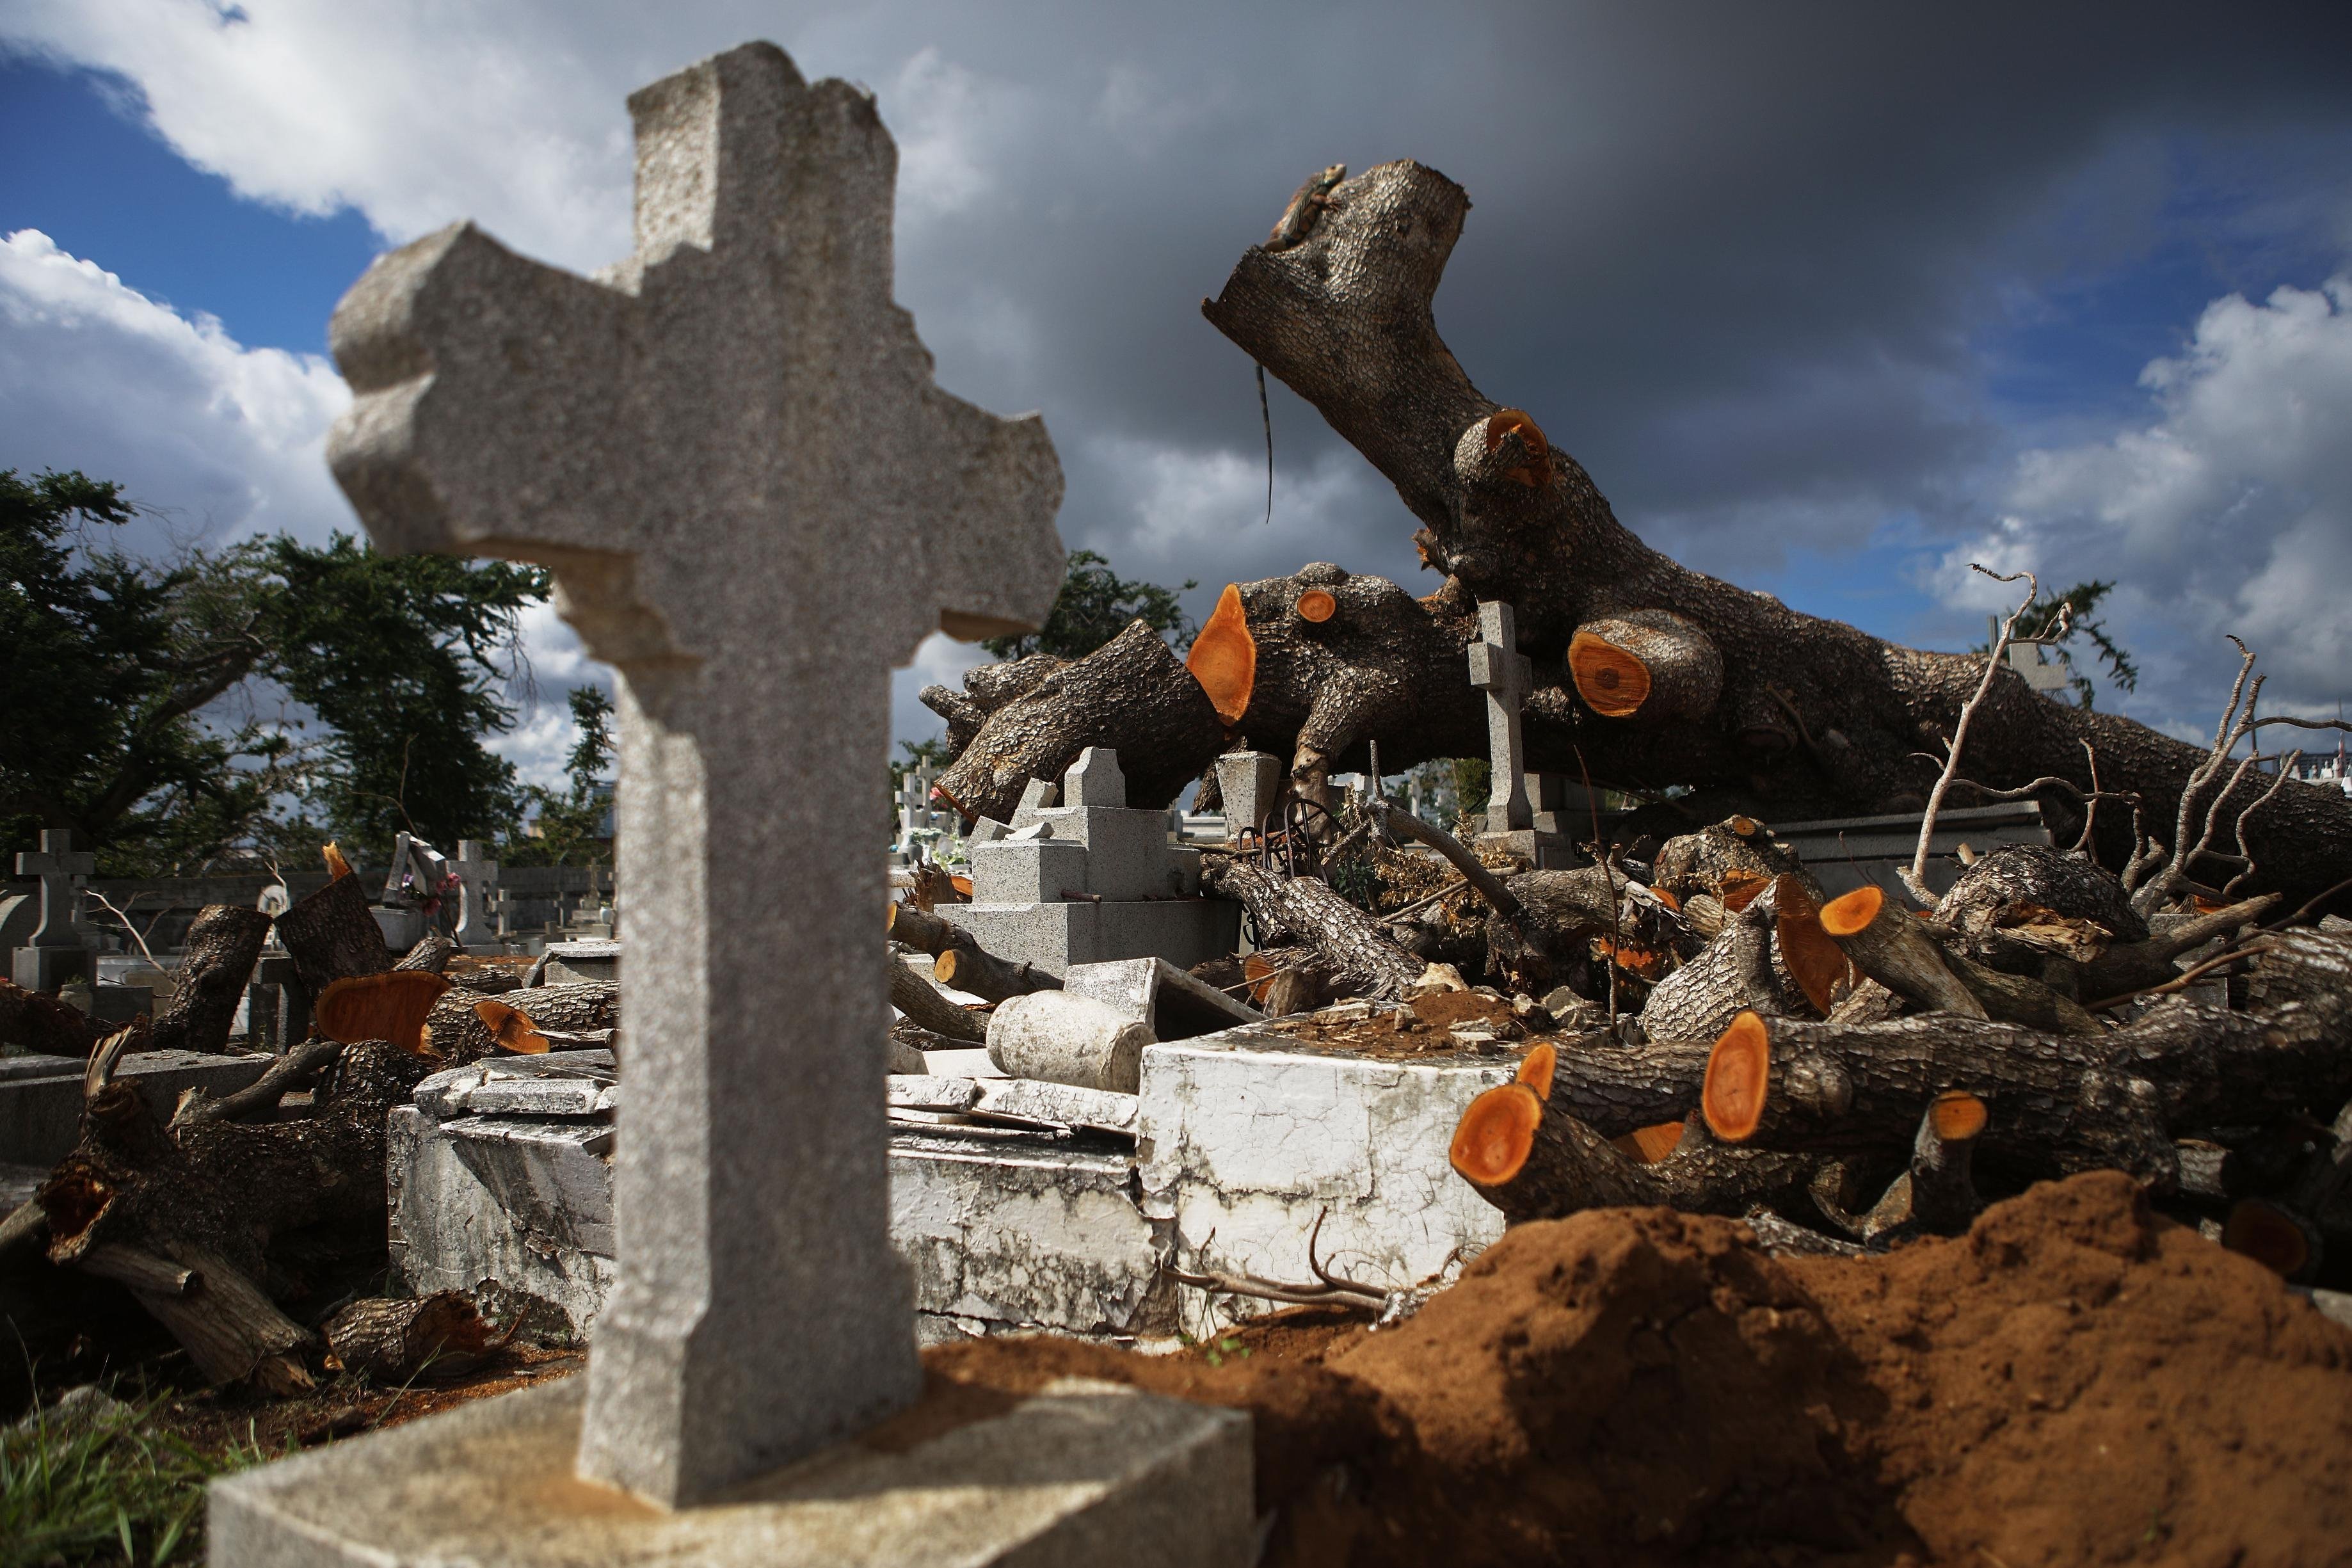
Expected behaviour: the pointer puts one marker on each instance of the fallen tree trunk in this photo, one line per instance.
(42, 1025)
(456, 1033)
(223, 943)
(331, 934)
(1807, 718)
(982, 974)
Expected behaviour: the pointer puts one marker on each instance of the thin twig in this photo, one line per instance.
(129, 929)
(2296, 918)
(1916, 876)
(2245, 852)
(2083, 845)
(2186, 978)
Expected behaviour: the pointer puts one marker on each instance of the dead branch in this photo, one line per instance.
(1915, 878)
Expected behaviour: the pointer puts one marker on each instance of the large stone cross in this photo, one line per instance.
(1498, 668)
(61, 870)
(730, 450)
(476, 875)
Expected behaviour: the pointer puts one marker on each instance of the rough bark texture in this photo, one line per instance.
(982, 974)
(223, 943)
(1815, 717)
(1617, 1089)
(432, 953)
(2010, 881)
(1303, 912)
(927, 1009)
(456, 1036)
(1131, 694)
(1731, 975)
(331, 934)
(1732, 860)
(1652, 665)
(1571, 1167)
(41, 1026)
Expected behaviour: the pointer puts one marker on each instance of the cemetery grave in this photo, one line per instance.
(1291, 1179)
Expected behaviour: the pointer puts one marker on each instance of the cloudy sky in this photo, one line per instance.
(1830, 299)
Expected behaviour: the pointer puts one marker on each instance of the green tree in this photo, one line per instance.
(2042, 618)
(105, 662)
(570, 822)
(1095, 606)
(404, 660)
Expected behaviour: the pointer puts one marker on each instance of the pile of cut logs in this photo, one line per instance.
(1852, 1071)
(185, 1213)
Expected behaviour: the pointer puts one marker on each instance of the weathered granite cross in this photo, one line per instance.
(1506, 676)
(61, 870)
(477, 876)
(730, 450)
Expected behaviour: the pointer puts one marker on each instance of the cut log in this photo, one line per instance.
(1618, 1089)
(927, 1009)
(1937, 1194)
(223, 943)
(432, 953)
(1648, 1145)
(992, 979)
(2128, 968)
(924, 932)
(39, 1025)
(1885, 943)
(1732, 861)
(1315, 605)
(1817, 967)
(1537, 1068)
(2008, 878)
(299, 1068)
(1537, 1162)
(330, 935)
(395, 1340)
(2279, 1239)
(1302, 911)
(511, 1028)
(1224, 657)
(986, 689)
(1650, 665)
(391, 1007)
(457, 1033)
(1731, 975)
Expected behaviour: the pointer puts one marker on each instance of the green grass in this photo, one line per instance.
(113, 1491)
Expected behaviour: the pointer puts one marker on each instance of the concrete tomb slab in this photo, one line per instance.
(587, 958)
(41, 1096)
(681, 439)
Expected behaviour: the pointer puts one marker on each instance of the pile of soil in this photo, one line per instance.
(2077, 1380)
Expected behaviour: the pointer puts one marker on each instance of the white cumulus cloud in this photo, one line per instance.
(2228, 510)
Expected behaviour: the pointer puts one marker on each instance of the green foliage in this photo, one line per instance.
(571, 823)
(2041, 617)
(1471, 787)
(403, 660)
(1095, 606)
(113, 671)
(104, 661)
(110, 1490)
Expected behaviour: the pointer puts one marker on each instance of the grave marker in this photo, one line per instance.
(731, 450)
(476, 877)
(55, 952)
(1498, 668)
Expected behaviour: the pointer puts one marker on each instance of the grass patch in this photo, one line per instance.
(97, 1483)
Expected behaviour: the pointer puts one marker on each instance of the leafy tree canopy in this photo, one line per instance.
(1095, 606)
(570, 822)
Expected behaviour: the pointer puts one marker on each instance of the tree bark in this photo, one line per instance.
(1814, 718)
(330, 935)
(432, 953)
(927, 1009)
(42, 1025)
(1569, 1167)
(1732, 975)
(456, 1036)
(1305, 912)
(982, 974)
(223, 943)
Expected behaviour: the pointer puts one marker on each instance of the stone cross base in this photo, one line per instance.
(46, 968)
(1085, 1474)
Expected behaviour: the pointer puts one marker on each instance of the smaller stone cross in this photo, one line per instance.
(1498, 668)
(55, 952)
(476, 877)
(61, 871)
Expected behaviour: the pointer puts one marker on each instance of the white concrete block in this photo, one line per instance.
(1245, 1137)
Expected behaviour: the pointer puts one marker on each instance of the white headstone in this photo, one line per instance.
(730, 448)
(1498, 668)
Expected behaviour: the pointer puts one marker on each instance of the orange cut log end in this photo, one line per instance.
(1224, 657)
(1494, 1136)
(390, 1006)
(510, 1028)
(1536, 1067)
(2256, 1230)
(1738, 1079)
(1612, 682)
(1317, 604)
(1648, 1145)
(1537, 470)
(1740, 888)
(1958, 1116)
(337, 866)
(1819, 965)
(1850, 912)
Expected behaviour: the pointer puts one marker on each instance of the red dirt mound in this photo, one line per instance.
(2076, 1381)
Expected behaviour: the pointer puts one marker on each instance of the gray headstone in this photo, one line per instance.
(1248, 783)
(61, 870)
(1498, 668)
(476, 874)
(1095, 779)
(730, 448)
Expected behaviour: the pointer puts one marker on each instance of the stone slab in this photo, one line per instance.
(1184, 931)
(1082, 1475)
(1245, 1137)
(40, 1115)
